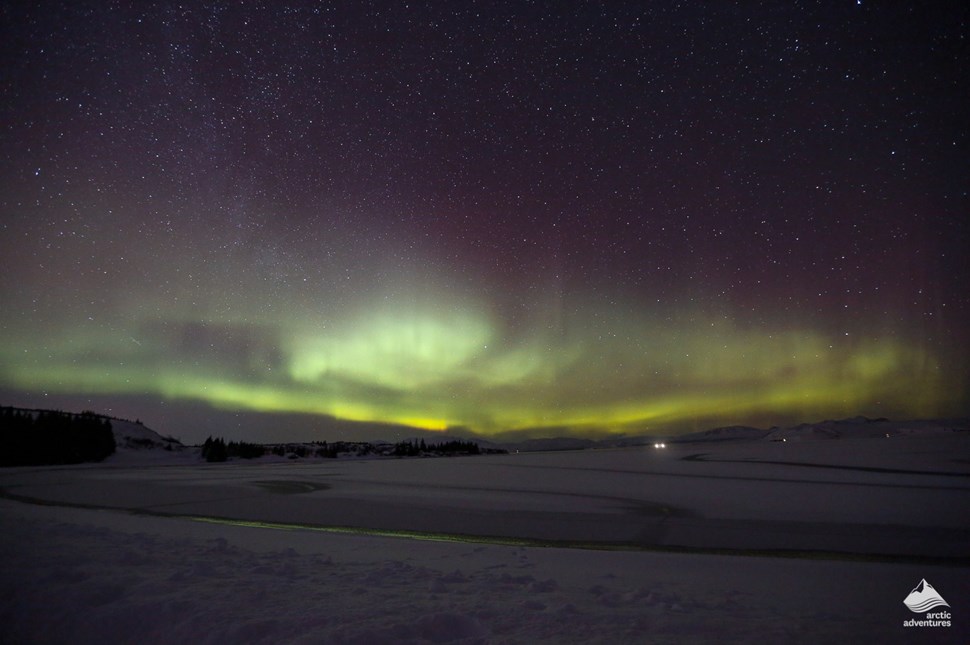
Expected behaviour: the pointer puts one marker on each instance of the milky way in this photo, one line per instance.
(541, 218)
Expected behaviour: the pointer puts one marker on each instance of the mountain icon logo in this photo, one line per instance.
(924, 598)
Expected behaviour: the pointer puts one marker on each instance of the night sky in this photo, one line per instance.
(512, 219)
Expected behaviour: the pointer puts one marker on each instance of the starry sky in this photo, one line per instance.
(516, 219)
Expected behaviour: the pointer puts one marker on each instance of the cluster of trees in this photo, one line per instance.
(47, 437)
(218, 450)
(296, 450)
(359, 448)
(321, 449)
(454, 447)
(330, 451)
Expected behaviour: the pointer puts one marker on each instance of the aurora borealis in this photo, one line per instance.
(519, 218)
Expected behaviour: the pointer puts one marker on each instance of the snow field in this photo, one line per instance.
(127, 568)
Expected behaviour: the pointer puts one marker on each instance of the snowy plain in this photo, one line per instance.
(732, 541)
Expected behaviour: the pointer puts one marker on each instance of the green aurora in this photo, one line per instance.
(285, 219)
(438, 361)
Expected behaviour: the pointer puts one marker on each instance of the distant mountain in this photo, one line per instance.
(863, 427)
(855, 427)
(726, 433)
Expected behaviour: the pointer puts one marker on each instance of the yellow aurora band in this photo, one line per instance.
(447, 362)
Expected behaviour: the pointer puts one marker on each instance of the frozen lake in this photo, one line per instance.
(683, 539)
(905, 496)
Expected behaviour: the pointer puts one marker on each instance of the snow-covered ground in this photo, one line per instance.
(629, 545)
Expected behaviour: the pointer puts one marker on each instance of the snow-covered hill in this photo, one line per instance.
(132, 435)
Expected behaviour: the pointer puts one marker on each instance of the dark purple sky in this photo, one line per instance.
(535, 217)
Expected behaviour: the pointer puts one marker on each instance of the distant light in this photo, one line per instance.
(659, 445)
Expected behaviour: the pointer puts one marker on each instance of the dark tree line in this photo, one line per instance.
(215, 450)
(330, 451)
(218, 450)
(318, 448)
(46, 437)
(454, 447)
